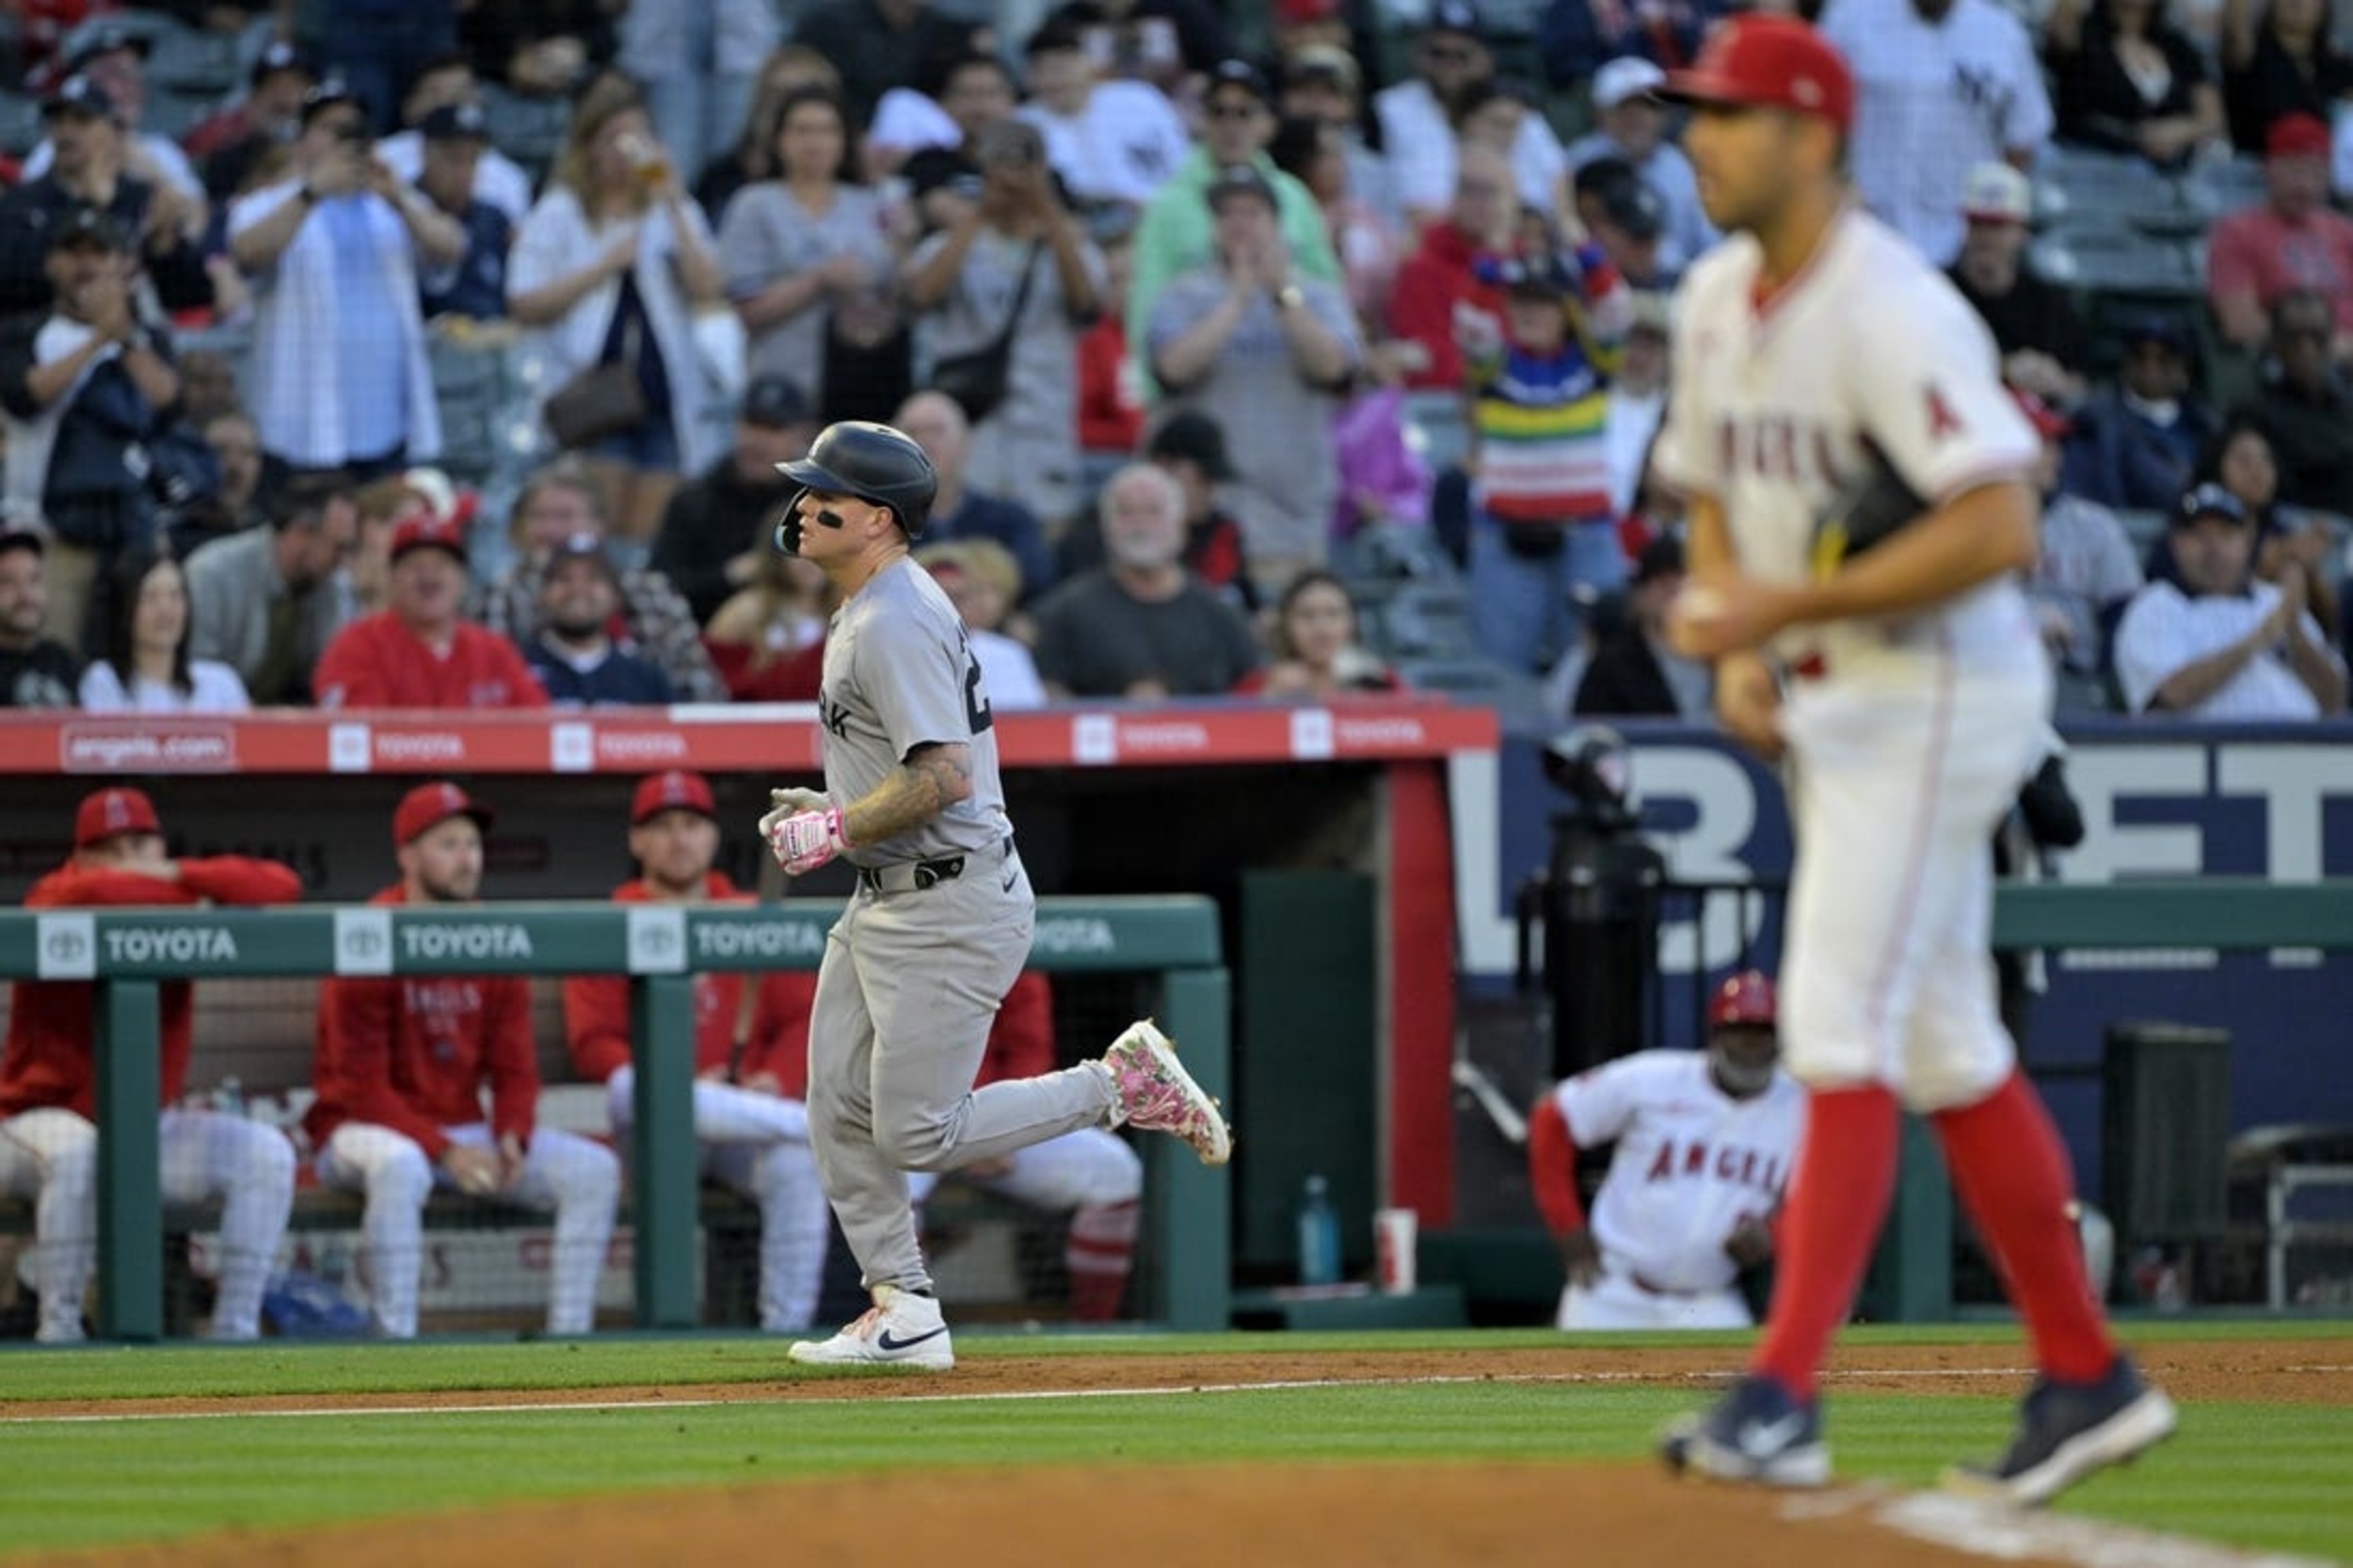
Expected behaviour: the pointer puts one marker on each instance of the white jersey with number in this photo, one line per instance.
(1773, 403)
(1690, 1162)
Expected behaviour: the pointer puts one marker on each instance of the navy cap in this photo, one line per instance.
(774, 402)
(456, 122)
(1455, 16)
(2209, 500)
(329, 91)
(78, 94)
(1240, 178)
(1238, 74)
(88, 226)
(279, 56)
(107, 40)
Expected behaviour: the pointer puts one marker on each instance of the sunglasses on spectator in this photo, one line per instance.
(1447, 54)
(1235, 111)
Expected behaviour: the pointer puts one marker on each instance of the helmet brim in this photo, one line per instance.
(812, 476)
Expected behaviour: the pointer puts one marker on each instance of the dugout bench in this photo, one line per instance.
(126, 953)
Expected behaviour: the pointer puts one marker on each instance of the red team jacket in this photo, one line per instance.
(48, 1062)
(413, 1054)
(1020, 1042)
(377, 662)
(596, 1013)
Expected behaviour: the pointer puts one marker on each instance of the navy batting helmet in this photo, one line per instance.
(874, 463)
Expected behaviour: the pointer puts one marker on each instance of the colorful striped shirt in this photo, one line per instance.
(1542, 420)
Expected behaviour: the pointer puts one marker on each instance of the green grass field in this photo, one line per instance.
(2273, 1476)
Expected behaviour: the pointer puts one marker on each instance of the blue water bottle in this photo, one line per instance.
(1319, 1234)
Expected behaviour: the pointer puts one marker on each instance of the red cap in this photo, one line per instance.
(1300, 14)
(428, 806)
(1763, 59)
(110, 813)
(2297, 135)
(424, 530)
(1746, 998)
(675, 790)
(2048, 421)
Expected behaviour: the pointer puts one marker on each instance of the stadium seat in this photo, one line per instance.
(1478, 679)
(192, 62)
(1437, 428)
(2217, 188)
(1423, 620)
(2076, 185)
(2107, 256)
(528, 130)
(1384, 554)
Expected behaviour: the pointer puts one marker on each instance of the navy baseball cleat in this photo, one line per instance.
(2066, 1430)
(1757, 1433)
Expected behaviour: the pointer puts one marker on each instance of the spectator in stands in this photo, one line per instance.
(881, 44)
(752, 155)
(35, 671)
(1321, 83)
(962, 510)
(402, 1068)
(1543, 531)
(575, 655)
(768, 640)
(230, 146)
(114, 59)
(2034, 325)
(715, 533)
(2305, 406)
(1254, 332)
(377, 48)
(2293, 240)
(1940, 86)
(208, 386)
(1092, 1175)
(235, 446)
(984, 582)
(84, 389)
(1384, 481)
(2129, 81)
(455, 138)
(538, 48)
(2138, 445)
(1633, 671)
(1179, 234)
(1189, 447)
(90, 172)
(267, 601)
(556, 504)
(1142, 627)
(340, 376)
(1110, 384)
(808, 258)
(2244, 463)
(1013, 262)
(2214, 641)
(1313, 154)
(1494, 112)
(1169, 43)
(1114, 143)
(383, 505)
(2087, 571)
(2279, 59)
(1633, 127)
(699, 61)
(1317, 653)
(750, 1135)
(1576, 37)
(1637, 397)
(421, 651)
(1450, 60)
(48, 1079)
(925, 133)
(449, 82)
(1437, 279)
(1624, 216)
(144, 666)
(610, 267)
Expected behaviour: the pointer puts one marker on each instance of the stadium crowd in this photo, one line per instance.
(1199, 311)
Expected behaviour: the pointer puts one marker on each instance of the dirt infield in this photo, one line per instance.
(1308, 1515)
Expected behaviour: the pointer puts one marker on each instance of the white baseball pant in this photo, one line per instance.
(578, 1178)
(1615, 1301)
(757, 1144)
(51, 1156)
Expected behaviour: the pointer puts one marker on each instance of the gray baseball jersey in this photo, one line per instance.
(900, 673)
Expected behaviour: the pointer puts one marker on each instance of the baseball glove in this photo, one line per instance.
(1875, 504)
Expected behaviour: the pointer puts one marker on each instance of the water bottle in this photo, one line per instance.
(1319, 1234)
(229, 1100)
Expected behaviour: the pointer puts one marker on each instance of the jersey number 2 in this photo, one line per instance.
(975, 701)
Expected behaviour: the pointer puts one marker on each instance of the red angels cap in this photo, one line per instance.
(2048, 423)
(2297, 135)
(428, 806)
(674, 791)
(1765, 61)
(425, 531)
(110, 813)
(1746, 998)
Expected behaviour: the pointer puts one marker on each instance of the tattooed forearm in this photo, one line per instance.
(931, 779)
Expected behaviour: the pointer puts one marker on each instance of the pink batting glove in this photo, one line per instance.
(806, 840)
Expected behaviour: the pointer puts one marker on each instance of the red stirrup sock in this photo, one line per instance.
(1837, 1199)
(2012, 1175)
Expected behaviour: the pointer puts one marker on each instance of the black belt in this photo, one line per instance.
(913, 876)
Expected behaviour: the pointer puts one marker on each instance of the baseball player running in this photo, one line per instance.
(1704, 1143)
(753, 1132)
(1908, 687)
(941, 920)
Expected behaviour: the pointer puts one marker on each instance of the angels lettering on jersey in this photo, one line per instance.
(1788, 447)
(445, 1011)
(1764, 1171)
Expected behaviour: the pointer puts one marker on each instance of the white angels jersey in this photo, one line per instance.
(1773, 402)
(1691, 1162)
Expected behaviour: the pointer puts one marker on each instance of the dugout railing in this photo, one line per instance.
(126, 953)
